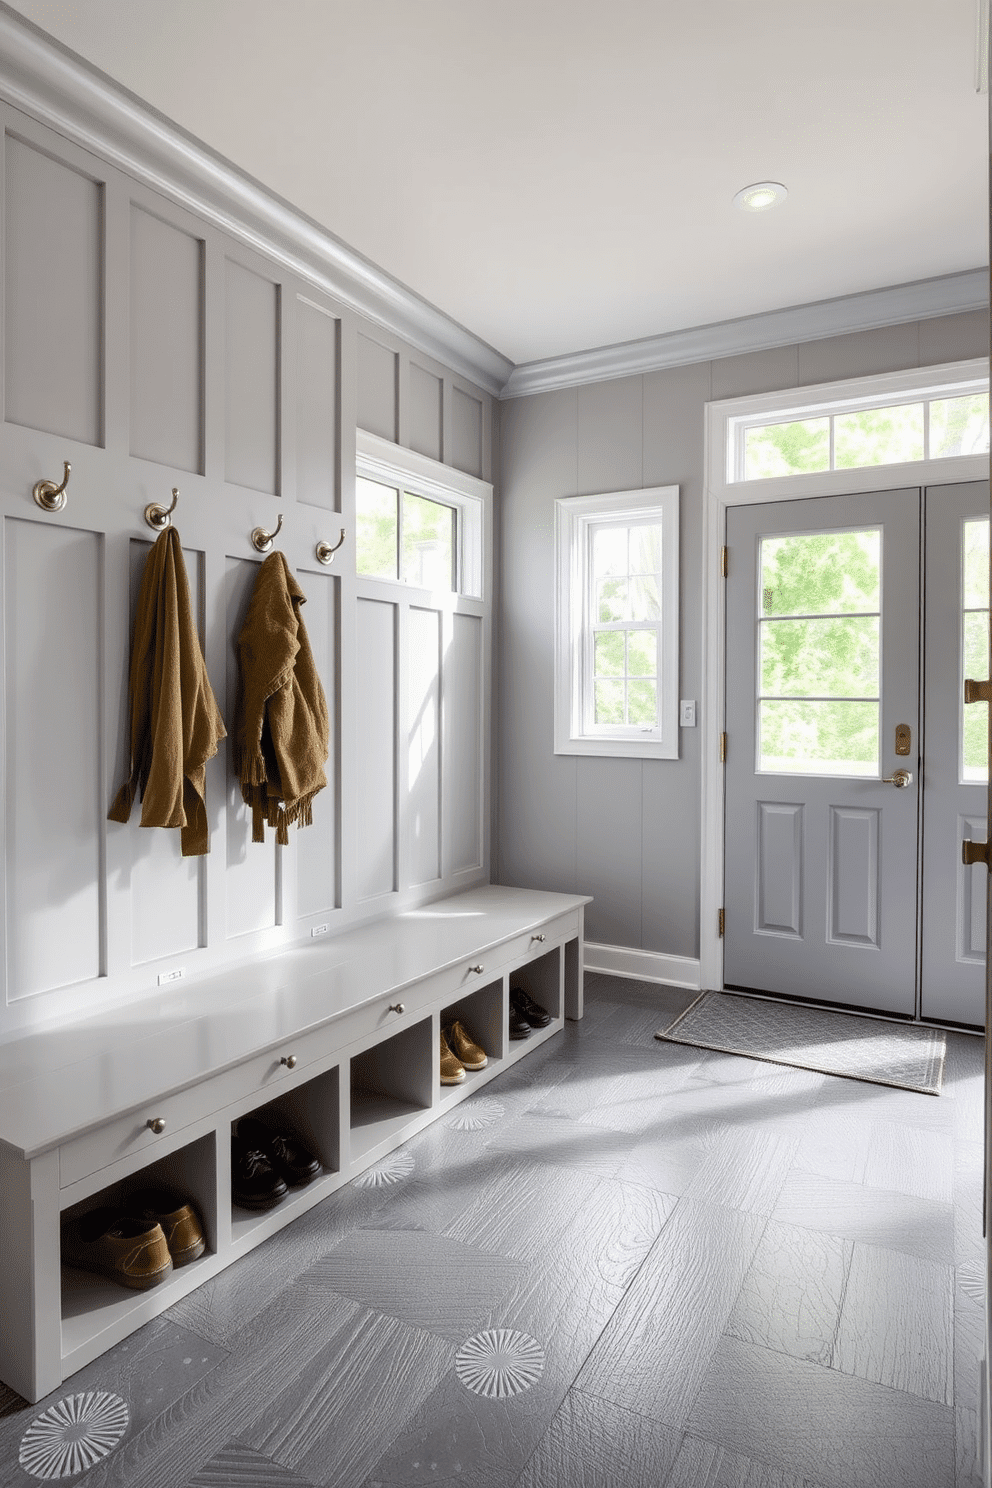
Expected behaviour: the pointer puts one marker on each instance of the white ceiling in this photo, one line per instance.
(558, 174)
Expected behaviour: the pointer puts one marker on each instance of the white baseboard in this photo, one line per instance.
(644, 966)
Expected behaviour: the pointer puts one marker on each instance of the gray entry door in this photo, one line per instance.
(821, 852)
(955, 762)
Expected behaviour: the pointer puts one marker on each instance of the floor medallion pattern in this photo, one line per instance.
(499, 1363)
(474, 1115)
(391, 1169)
(73, 1435)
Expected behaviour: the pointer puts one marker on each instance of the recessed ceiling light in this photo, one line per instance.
(760, 196)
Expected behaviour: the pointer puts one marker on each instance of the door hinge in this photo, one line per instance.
(974, 852)
(724, 561)
(977, 692)
(723, 749)
(722, 919)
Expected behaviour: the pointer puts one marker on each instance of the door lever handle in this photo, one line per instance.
(898, 778)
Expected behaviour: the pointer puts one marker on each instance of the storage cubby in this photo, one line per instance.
(481, 1014)
(93, 1304)
(541, 980)
(390, 1083)
(310, 1113)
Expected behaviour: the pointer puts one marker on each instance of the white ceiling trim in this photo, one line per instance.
(921, 300)
(61, 90)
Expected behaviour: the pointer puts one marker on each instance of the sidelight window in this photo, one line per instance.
(974, 719)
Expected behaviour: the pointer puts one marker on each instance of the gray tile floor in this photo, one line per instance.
(624, 1264)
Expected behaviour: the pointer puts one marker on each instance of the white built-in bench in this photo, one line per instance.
(339, 1037)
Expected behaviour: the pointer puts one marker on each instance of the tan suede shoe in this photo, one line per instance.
(180, 1222)
(465, 1048)
(452, 1070)
(132, 1252)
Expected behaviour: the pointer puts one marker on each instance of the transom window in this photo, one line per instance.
(404, 536)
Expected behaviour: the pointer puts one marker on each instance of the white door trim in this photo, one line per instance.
(719, 494)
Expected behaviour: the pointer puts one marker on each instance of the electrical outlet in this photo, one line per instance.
(176, 975)
(318, 930)
(687, 713)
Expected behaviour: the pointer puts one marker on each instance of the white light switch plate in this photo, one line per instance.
(687, 713)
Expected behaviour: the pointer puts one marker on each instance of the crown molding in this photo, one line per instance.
(61, 90)
(920, 300)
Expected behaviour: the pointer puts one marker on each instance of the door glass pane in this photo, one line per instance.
(797, 737)
(377, 530)
(821, 573)
(787, 449)
(975, 647)
(428, 543)
(878, 436)
(818, 678)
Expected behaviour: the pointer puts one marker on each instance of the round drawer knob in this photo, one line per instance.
(541, 938)
(156, 1124)
(479, 969)
(396, 1007)
(289, 1060)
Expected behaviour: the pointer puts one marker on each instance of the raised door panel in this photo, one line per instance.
(375, 740)
(54, 796)
(251, 877)
(972, 882)
(318, 846)
(378, 374)
(463, 764)
(251, 357)
(166, 888)
(779, 897)
(166, 331)
(53, 296)
(853, 876)
(423, 739)
(425, 412)
(465, 452)
(318, 335)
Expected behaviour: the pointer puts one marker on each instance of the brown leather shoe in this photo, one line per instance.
(465, 1048)
(180, 1222)
(452, 1069)
(132, 1252)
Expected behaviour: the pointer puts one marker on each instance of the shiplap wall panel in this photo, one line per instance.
(317, 846)
(466, 432)
(166, 343)
(423, 739)
(375, 736)
(463, 736)
(166, 888)
(250, 879)
(317, 405)
(251, 361)
(53, 764)
(53, 299)
(425, 412)
(378, 388)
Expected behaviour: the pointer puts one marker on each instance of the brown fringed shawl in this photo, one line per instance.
(280, 718)
(175, 722)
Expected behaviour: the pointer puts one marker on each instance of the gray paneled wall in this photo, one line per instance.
(628, 832)
(150, 351)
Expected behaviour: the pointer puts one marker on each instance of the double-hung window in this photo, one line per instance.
(616, 662)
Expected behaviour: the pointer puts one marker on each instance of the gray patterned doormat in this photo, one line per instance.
(911, 1058)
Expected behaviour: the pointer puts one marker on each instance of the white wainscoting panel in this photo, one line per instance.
(318, 334)
(251, 335)
(166, 346)
(375, 728)
(463, 743)
(423, 744)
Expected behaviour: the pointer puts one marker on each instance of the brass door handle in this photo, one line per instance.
(974, 852)
(899, 778)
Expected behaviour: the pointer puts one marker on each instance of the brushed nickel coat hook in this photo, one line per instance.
(48, 495)
(262, 540)
(160, 517)
(325, 553)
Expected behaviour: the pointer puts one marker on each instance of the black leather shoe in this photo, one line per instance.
(291, 1160)
(519, 1027)
(255, 1184)
(536, 1016)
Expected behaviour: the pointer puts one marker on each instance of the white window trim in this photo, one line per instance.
(574, 516)
(390, 464)
(721, 493)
